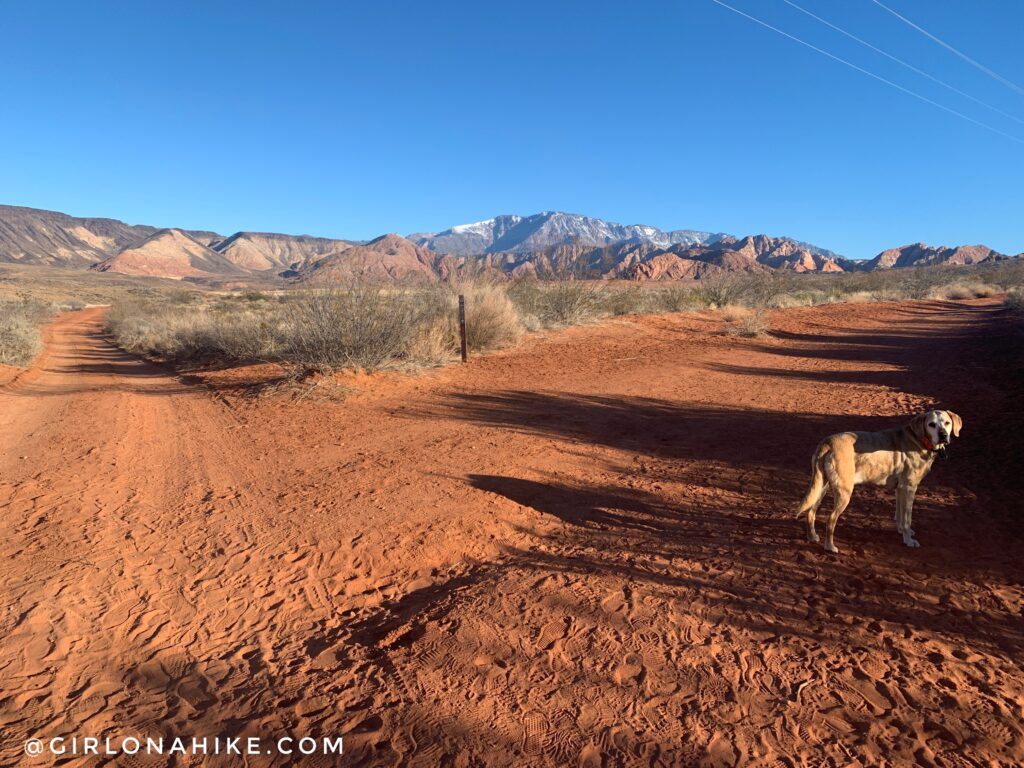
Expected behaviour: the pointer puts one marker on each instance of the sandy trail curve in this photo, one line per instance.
(579, 552)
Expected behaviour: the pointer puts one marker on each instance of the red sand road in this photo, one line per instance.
(581, 551)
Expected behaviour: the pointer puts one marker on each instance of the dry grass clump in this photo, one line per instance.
(964, 290)
(492, 322)
(791, 300)
(732, 313)
(362, 326)
(153, 327)
(719, 288)
(618, 300)
(674, 298)
(743, 321)
(747, 323)
(20, 340)
(555, 304)
(1015, 300)
(492, 319)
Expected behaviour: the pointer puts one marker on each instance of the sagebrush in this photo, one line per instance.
(20, 337)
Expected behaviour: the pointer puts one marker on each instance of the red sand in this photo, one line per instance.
(582, 551)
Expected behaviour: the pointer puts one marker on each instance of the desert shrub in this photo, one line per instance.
(673, 298)
(963, 290)
(799, 299)
(913, 283)
(859, 297)
(556, 303)
(747, 323)
(1008, 275)
(1014, 300)
(526, 295)
(358, 326)
(361, 326)
(759, 289)
(718, 288)
(734, 312)
(20, 340)
(492, 319)
(569, 302)
(631, 299)
(160, 328)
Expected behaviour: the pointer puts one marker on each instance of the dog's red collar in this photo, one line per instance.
(924, 441)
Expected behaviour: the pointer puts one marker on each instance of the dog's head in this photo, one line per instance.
(936, 429)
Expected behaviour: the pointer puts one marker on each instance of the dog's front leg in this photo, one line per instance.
(905, 499)
(898, 517)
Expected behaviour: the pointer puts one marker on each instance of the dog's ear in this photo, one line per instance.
(957, 423)
(916, 426)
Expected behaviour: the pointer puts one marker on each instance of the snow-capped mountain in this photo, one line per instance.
(525, 234)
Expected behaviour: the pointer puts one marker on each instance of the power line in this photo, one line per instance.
(898, 87)
(898, 60)
(947, 46)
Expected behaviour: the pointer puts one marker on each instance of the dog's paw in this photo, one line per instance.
(812, 536)
(910, 541)
(832, 548)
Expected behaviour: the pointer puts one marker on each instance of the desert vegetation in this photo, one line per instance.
(367, 325)
(362, 325)
(20, 320)
(1015, 300)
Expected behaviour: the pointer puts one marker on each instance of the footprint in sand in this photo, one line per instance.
(614, 602)
(999, 731)
(564, 740)
(590, 756)
(714, 687)
(551, 633)
(143, 761)
(629, 670)
(176, 665)
(193, 689)
(403, 742)
(721, 751)
(88, 707)
(535, 732)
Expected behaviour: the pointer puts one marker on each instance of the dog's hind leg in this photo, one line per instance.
(812, 499)
(842, 499)
(839, 471)
(815, 492)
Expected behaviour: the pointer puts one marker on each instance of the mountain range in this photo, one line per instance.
(546, 244)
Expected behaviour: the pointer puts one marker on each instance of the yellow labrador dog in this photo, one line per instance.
(895, 458)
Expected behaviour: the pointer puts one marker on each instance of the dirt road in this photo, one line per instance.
(581, 551)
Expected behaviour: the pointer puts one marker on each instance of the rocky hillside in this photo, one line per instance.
(531, 234)
(170, 253)
(33, 236)
(389, 257)
(921, 255)
(548, 244)
(646, 261)
(266, 251)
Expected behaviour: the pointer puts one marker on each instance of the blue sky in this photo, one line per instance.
(354, 119)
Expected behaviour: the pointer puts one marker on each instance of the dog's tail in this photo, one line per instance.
(816, 488)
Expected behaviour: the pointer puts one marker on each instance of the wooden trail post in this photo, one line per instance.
(462, 326)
